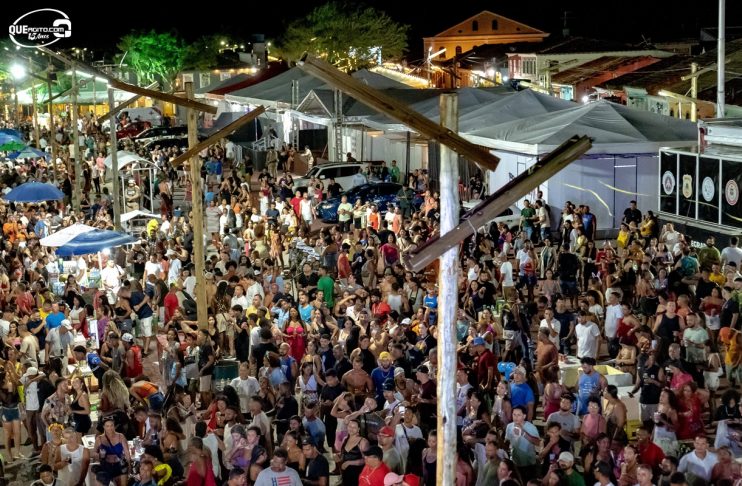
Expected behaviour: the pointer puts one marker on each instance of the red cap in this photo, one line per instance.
(386, 431)
(411, 480)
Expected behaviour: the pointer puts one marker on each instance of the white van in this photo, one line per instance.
(342, 173)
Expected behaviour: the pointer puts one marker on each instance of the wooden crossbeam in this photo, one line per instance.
(499, 201)
(118, 84)
(399, 111)
(124, 104)
(248, 117)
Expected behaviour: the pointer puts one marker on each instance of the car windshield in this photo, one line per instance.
(312, 172)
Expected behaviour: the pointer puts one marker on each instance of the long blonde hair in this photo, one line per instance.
(115, 389)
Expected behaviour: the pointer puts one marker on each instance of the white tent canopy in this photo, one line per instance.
(126, 158)
(138, 214)
(470, 99)
(522, 104)
(64, 235)
(614, 129)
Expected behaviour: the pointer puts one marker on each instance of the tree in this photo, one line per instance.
(153, 55)
(348, 37)
(203, 54)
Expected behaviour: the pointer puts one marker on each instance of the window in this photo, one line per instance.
(223, 76)
(474, 25)
(494, 24)
(458, 50)
(204, 80)
(187, 77)
(349, 171)
(329, 173)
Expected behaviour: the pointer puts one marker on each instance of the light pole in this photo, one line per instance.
(17, 72)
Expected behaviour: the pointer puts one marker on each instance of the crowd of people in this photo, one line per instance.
(318, 361)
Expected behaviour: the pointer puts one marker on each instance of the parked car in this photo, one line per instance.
(180, 142)
(342, 172)
(156, 133)
(132, 129)
(380, 194)
(149, 114)
(510, 217)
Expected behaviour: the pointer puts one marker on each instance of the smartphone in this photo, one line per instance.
(402, 409)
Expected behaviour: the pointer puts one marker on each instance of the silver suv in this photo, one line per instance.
(342, 172)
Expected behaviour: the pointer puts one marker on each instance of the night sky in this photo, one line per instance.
(626, 20)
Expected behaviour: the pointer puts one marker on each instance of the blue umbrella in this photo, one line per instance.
(28, 153)
(10, 131)
(7, 138)
(93, 242)
(34, 192)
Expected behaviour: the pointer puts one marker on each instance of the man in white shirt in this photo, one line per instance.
(111, 278)
(82, 272)
(239, 298)
(306, 210)
(588, 336)
(462, 388)
(670, 237)
(613, 313)
(732, 253)
(506, 277)
(345, 213)
(253, 287)
(173, 272)
(246, 386)
(152, 267)
(699, 462)
(551, 325)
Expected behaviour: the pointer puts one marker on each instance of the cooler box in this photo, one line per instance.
(614, 376)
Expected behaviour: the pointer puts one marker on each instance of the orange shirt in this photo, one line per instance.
(373, 221)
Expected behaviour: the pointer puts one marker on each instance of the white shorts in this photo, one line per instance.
(146, 326)
(204, 383)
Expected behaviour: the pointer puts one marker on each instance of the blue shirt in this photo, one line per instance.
(521, 395)
(431, 302)
(305, 312)
(316, 430)
(54, 320)
(379, 376)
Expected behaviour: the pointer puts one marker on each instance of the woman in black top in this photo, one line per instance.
(80, 407)
(10, 411)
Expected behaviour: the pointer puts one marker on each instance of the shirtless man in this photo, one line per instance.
(357, 381)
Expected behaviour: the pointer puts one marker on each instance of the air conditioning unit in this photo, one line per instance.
(726, 131)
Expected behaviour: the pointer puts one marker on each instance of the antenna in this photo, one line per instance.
(565, 17)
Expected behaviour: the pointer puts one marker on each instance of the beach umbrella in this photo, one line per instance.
(11, 132)
(11, 146)
(93, 242)
(28, 153)
(34, 192)
(64, 235)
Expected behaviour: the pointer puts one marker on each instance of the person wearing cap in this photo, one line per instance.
(380, 375)
(30, 381)
(58, 342)
(566, 463)
(375, 470)
(318, 468)
(392, 457)
(486, 363)
(426, 398)
(590, 384)
(278, 473)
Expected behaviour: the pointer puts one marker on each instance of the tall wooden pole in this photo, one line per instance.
(35, 118)
(77, 187)
(114, 165)
(52, 129)
(448, 278)
(197, 209)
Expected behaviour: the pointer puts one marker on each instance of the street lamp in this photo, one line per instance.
(17, 71)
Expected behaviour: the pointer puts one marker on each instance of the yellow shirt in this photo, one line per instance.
(718, 278)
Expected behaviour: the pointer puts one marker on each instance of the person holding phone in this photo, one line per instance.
(523, 437)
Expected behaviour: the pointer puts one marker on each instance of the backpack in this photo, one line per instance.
(189, 306)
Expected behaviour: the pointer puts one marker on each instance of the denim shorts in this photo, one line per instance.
(11, 414)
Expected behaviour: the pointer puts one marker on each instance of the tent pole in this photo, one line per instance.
(52, 131)
(448, 278)
(114, 165)
(197, 201)
(78, 160)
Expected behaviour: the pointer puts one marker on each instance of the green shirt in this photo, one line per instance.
(527, 214)
(345, 216)
(394, 173)
(327, 285)
(574, 479)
